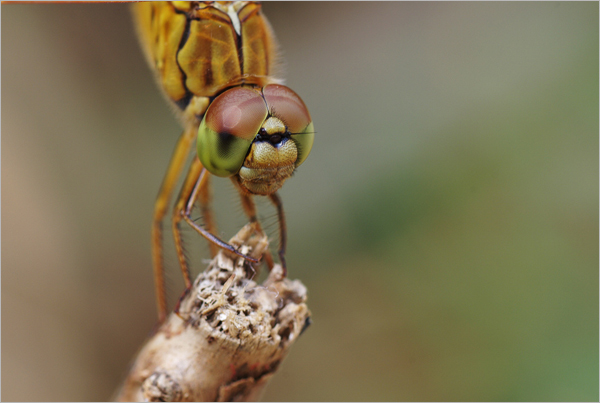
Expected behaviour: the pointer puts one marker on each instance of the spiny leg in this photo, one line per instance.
(188, 186)
(250, 210)
(178, 159)
(200, 181)
(204, 198)
(191, 179)
(195, 186)
(282, 230)
(189, 183)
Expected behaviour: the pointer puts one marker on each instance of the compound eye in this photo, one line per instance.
(226, 132)
(287, 106)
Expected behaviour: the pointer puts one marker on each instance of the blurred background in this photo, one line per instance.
(445, 224)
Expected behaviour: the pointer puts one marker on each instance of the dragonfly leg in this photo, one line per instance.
(196, 188)
(180, 209)
(178, 159)
(250, 210)
(204, 199)
(282, 230)
(189, 183)
(200, 182)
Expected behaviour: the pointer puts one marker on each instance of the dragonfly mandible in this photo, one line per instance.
(215, 62)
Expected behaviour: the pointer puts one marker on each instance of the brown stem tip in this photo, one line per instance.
(229, 336)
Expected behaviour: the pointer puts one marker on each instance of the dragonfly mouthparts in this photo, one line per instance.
(275, 139)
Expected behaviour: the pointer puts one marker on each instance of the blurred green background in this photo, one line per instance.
(445, 224)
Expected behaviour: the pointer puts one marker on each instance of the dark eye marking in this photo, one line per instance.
(225, 144)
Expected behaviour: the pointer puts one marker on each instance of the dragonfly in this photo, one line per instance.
(216, 63)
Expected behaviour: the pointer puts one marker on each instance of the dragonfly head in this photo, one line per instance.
(260, 136)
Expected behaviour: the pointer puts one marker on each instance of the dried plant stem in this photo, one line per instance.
(229, 337)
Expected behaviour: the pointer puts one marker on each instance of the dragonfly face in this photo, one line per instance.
(216, 62)
(258, 136)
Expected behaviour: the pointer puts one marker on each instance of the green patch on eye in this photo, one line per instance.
(304, 142)
(221, 153)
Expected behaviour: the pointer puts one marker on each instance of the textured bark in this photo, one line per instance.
(229, 337)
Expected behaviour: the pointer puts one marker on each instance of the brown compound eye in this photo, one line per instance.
(226, 132)
(289, 107)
